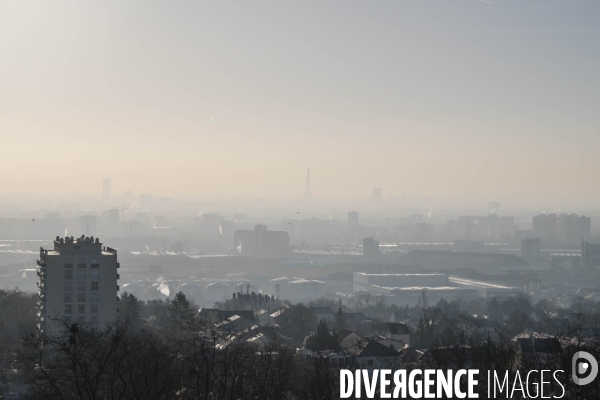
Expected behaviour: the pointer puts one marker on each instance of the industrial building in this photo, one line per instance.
(297, 289)
(414, 295)
(439, 259)
(412, 288)
(261, 242)
(280, 287)
(364, 281)
(306, 289)
(77, 284)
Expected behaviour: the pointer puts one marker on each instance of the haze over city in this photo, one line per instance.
(425, 98)
(261, 199)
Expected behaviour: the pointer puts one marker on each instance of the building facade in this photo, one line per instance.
(261, 242)
(562, 228)
(530, 251)
(77, 283)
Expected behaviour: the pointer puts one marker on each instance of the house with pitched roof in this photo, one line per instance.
(399, 332)
(375, 355)
(324, 313)
(350, 342)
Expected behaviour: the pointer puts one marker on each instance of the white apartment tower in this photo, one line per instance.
(77, 283)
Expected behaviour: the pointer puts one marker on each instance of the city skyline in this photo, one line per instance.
(251, 200)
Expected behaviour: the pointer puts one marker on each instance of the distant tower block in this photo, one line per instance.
(353, 218)
(353, 225)
(106, 188)
(370, 248)
(530, 251)
(376, 194)
(308, 193)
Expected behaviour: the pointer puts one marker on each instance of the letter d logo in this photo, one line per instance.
(583, 367)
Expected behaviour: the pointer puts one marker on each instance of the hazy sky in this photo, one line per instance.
(185, 98)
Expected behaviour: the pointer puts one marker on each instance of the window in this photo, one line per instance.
(81, 265)
(69, 265)
(68, 320)
(94, 275)
(94, 298)
(81, 275)
(67, 309)
(68, 274)
(94, 285)
(81, 319)
(81, 286)
(94, 320)
(81, 297)
(68, 286)
(94, 309)
(95, 263)
(81, 309)
(68, 297)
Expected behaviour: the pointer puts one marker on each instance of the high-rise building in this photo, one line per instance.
(106, 188)
(574, 229)
(376, 194)
(354, 225)
(353, 218)
(370, 248)
(78, 284)
(545, 227)
(530, 251)
(307, 192)
(565, 228)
